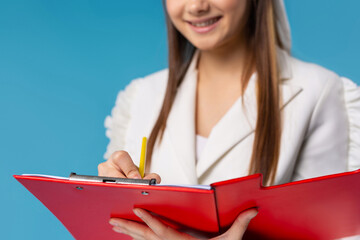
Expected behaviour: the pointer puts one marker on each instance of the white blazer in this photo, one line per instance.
(320, 134)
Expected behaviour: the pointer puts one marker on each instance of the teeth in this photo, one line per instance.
(206, 23)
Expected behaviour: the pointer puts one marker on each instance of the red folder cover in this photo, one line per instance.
(326, 207)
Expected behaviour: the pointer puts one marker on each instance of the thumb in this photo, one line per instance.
(238, 228)
(153, 175)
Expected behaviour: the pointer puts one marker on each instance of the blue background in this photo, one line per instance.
(63, 62)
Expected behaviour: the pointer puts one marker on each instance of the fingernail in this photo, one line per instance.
(137, 212)
(253, 215)
(114, 223)
(117, 229)
(135, 175)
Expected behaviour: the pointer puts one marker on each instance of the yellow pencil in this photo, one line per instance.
(142, 157)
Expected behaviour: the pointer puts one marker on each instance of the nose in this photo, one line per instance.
(198, 7)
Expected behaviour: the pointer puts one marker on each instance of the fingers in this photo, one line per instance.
(123, 162)
(153, 175)
(238, 228)
(119, 164)
(158, 228)
(105, 169)
(135, 230)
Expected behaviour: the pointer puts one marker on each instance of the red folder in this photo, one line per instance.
(326, 207)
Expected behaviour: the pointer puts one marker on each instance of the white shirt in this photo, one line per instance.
(200, 145)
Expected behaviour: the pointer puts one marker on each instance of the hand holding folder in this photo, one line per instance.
(320, 208)
(155, 229)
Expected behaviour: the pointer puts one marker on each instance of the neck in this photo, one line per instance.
(223, 63)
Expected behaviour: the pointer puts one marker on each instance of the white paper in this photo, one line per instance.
(205, 187)
(47, 176)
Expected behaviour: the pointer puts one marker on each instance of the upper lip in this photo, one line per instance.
(202, 20)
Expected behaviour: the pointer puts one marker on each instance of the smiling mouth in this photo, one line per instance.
(205, 23)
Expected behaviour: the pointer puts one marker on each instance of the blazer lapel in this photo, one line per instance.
(235, 126)
(239, 122)
(181, 123)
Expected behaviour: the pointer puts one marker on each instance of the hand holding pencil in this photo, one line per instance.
(121, 165)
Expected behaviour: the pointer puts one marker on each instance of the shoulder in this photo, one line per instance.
(321, 88)
(143, 92)
(147, 93)
(313, 78)
(154, 82)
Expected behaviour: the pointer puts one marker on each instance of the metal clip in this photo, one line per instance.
(87, 178)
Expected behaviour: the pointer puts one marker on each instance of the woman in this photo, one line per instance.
(232, 103)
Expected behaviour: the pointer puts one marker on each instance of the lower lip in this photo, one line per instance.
(205, 29)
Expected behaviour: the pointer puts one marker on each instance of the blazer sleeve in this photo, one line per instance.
(325, 147)
(118, 122)
(352, 104)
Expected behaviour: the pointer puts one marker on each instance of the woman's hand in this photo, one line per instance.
(156, 230)
(121, 165)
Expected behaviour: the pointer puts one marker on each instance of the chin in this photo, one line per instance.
(204, 45)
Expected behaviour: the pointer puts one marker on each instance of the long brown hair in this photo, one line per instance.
(263, 39)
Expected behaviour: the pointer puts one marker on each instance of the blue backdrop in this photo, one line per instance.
(63, 62)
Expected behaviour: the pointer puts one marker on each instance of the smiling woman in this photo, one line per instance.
(233, 90)
(62, 63)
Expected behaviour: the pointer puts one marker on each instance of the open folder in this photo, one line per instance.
(326, 207)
